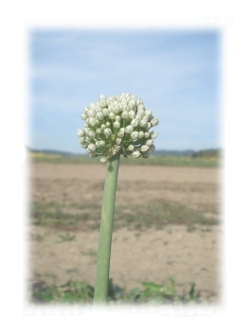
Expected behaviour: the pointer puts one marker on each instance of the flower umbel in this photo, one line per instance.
(117, 123)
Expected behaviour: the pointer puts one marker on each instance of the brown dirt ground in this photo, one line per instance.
(151, 255)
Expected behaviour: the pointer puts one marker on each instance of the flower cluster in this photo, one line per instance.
(117, 124)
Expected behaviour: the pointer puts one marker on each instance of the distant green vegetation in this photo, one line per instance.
(209, 161)
(210, 153)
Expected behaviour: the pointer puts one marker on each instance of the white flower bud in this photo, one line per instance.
(131, 114)
(148, 113)
(99, 116)
(111, 115)
(117, 124)
(140, 134)
(108, 124)
(148, 126)
(92, 121)
(103, 126)
(103, 160)
(144, 148)
(134, 135)
(117, 108)
(131, 147)
(91, 113)
(153, 135)
(131, 102)
(118, 141)
(124, 115)
(126, 108)
(143, 122)
(105, 112)
(129, 129)
(107, 132)
(140, 112)
(98, 109)
(103, 102)
(102, 96)
(98, 130)
(82, 139)
(121, 132)
(102, 143)
(149, 142)
(83, 116)
(80, 132)
(136, 154)
(116, 149)
(110, 99)
(84, 144)
(91, 147)
(90, 134)
(146, 135)
(154, 121)
(135, 122)
(117, 118)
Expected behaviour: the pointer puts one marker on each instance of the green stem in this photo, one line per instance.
(106, 227)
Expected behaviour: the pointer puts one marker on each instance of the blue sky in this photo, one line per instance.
(175, 73)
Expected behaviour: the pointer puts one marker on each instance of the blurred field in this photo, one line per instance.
(167, 222)
(207, 161)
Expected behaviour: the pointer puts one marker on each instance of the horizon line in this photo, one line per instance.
(169, 150)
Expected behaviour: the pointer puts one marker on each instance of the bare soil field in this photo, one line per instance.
(167, 224)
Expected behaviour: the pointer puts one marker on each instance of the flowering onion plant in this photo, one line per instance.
(113, 126)
(117, 124)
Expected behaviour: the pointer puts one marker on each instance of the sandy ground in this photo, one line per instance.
(151, 255)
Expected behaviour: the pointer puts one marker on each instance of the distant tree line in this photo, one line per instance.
(207, 153)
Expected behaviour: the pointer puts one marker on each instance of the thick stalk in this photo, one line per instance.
(106, 227)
